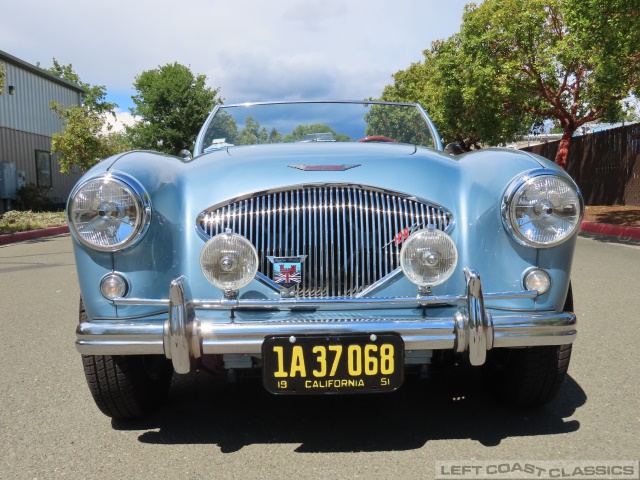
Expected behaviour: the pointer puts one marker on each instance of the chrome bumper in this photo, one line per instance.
(184, 337)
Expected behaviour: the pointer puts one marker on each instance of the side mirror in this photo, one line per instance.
(453, 149)
(185, 154)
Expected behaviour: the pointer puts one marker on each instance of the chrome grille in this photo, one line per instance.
(346, 232)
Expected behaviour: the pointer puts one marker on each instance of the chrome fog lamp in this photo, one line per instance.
(536, 279)
(542, 209)
(428, 257)
(229, 261)
(109, 212)
(114, 285)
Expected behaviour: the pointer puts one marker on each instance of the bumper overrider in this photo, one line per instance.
(184, 337)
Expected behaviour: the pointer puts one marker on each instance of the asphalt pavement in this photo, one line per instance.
(50, 427)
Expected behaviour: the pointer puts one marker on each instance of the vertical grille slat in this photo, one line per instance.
(348, 233)
(344, 244)
(367, 238)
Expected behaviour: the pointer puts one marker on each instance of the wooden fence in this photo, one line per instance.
(605, 165)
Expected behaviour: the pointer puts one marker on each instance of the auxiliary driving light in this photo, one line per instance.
(229, 261)
(428, 257)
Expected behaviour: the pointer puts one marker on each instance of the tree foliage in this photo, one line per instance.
(252, 133)
(572, 61)
(1, 79)
(87, 137)
(83, 142)
(172, 104)
(225, 127)
(93, 96)
(301, 131)
(517, 63)
(466, 105)
(222, 126)
(405, 125)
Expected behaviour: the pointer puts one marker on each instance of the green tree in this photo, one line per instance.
(402, 124)
(571, 61)
(223, 126)
(252, 133)
(274, 136)
(87, 136)
(464, 103)
(301, 131)
(83, 142)
(171, 104)
(93, 96)
(1, 79)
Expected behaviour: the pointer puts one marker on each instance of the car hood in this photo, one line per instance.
(219, 176)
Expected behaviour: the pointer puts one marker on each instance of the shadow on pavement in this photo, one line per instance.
(450, 405)
(598, 237)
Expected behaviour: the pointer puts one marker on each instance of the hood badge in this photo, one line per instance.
(287, 271)
(325, 168)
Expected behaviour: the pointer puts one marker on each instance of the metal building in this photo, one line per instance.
(27, 124)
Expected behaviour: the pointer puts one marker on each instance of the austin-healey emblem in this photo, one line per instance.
(287, 271)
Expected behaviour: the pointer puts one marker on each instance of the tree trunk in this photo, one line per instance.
(563, 146)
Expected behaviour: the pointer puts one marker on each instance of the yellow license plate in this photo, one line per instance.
(318, 364)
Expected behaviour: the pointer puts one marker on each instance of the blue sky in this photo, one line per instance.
(251, 49)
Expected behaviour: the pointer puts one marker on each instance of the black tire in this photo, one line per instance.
(127, 386)
(528, 377)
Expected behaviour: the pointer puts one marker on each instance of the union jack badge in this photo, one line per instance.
(287, 271)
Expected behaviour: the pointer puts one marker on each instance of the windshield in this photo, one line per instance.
(319, 122)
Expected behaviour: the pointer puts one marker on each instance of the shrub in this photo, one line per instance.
(19, 221)
(35, 198)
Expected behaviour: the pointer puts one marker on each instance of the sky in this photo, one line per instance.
(252, 50)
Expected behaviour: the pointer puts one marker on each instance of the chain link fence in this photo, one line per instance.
(605, 165)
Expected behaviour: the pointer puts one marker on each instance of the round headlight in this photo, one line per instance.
(428, 257)
(109, 212)
(229, 261)
(542, 209)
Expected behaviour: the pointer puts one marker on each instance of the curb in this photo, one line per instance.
(32, 234)
(609, 229)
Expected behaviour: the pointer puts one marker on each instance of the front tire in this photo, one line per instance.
(127, 386)
(528, 377)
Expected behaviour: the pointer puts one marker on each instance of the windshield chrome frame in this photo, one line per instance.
(199, 148)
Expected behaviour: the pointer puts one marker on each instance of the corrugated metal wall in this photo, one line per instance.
(27, 121)
(28, 108)
(20, 148)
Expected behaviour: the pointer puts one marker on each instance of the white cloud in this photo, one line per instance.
(251, 49)
(122, 118)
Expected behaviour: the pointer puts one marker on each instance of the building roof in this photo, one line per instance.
(5, 57)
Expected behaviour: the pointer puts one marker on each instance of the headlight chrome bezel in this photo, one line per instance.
(515, 190)
(142, 206)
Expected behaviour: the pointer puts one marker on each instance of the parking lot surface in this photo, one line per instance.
(50, 427)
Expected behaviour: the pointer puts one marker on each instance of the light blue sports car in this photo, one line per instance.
(333, 248)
